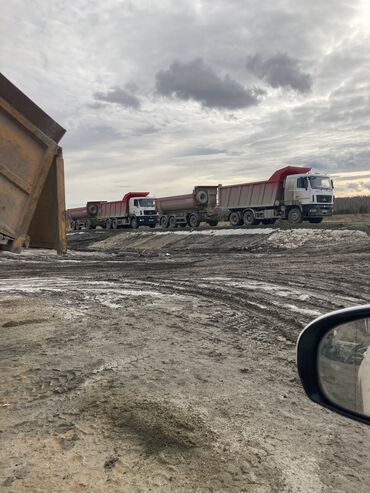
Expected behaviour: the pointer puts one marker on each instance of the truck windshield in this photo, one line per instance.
(146, 203)
(320, 182)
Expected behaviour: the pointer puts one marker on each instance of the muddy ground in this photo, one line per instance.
(166, 362)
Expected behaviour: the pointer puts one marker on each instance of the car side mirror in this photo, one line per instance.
(333, 358)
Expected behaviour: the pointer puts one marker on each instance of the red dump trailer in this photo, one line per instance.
(190, 209)
(133, 210)
(293, 193)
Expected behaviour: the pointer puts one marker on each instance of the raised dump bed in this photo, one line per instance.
(32, 197)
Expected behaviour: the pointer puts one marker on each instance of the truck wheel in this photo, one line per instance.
(108, 223)
(72, 225)
(88, 224)
(315, 220)
(213, 223)
(235, 219)
(163, 222)
(248, 218)
(114, 223)
(134, 223)
(193, 221)
(295, 216)
(172, 222)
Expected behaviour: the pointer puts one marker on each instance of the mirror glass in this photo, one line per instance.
(344, 366)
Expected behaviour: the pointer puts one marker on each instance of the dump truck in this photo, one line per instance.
(190, 209)
(134, 210)
(294, 193)
(32, 197)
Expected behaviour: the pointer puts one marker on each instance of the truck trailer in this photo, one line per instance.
(293, 193)
(190, 209)
(135, 209)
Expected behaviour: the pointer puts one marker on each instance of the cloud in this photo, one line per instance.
(85, 136)
(119, 96)
(197, 81)
(202, 151)
(280, 70)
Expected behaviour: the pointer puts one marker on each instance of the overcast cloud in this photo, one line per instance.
(119, 96)
(280, 70)
(165, 95)
(197, 81)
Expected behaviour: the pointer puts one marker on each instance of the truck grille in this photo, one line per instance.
(150, 213)
(325, 199)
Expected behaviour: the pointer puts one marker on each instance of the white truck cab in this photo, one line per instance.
(312, 193)
(143, 209)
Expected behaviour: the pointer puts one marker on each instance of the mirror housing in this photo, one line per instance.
(308, 346)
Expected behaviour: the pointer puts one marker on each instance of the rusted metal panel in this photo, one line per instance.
(31, 172)
(47, 228)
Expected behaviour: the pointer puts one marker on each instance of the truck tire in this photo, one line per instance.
(235, 219)
(193, 221)
(114, 223)
(213, 223)
(315, 220)
(295, 216)
(249, 219)
(72, 225)
(93, 209)
(134, 223)
(201, 197)
(163, 222)
(108, 224)
(172, 222)
(88, 224)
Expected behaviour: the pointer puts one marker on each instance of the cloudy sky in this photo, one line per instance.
(164, 95)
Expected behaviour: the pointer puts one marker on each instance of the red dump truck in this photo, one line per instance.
(135, 209)
(293, 193)
(190, 209)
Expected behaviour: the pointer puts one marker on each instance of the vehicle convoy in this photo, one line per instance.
(189, 210)
(293, 193)
(134, 210)
(32, 199)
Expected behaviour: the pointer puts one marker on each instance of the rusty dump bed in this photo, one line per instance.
(32, 198)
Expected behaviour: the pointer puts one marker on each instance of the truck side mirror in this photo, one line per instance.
(333, 358)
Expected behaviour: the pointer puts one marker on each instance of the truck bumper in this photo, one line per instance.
(317, 210)
(147, 220)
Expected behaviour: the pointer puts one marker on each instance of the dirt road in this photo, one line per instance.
(166, 363)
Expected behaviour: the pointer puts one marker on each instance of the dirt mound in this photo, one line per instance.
(223, 240)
